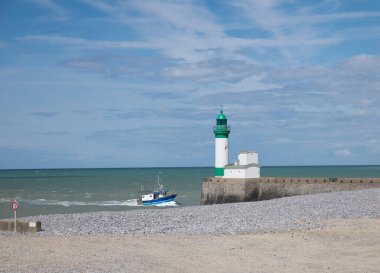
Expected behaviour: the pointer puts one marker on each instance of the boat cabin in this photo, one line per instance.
(153, 195)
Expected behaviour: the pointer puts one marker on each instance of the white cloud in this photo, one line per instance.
(105, 7)
(343, 152)
(280, 140)
(282, 21)
(51, 5)
(57, 12)
(251, 83)
(302, 31)
(189, 31)
(212, 70)
(84, 64)
(83, 43)
(374, 146)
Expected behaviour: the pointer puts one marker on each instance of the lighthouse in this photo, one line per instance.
(221, 131)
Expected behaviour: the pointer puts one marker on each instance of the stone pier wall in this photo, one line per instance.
(228, 190)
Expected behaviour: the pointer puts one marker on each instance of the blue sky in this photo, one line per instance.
(95, 83)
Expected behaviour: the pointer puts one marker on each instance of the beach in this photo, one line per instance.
(343, 246)
(331, 232)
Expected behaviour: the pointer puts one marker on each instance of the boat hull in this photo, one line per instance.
(165, 199)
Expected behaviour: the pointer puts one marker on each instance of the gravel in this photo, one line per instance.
(284, 214)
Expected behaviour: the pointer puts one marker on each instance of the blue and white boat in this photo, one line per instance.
(159, 195)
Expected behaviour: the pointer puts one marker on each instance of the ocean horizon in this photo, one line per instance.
(75, 190)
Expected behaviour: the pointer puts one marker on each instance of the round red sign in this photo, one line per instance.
(15, 205)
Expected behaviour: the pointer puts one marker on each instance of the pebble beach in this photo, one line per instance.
(220, 226)
(283, 214)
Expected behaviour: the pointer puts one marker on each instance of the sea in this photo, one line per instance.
(51, 191)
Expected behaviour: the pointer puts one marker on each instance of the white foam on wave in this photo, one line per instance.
(65, 203)
(131, 202)
(167, 204)
(7, 200)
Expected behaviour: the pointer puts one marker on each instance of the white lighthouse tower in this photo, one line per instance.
(221, 131)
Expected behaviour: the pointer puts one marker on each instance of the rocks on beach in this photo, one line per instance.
(291, 213)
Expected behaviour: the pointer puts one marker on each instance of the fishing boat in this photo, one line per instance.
(159, 195)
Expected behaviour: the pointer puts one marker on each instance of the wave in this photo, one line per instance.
(128, 203)
(168, 204)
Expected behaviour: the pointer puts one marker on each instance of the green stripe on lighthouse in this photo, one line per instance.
(219, 171)
(221, 134)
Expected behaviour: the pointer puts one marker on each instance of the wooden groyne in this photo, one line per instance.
(228, 190)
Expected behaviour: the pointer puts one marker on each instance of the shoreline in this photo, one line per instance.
(276, 215)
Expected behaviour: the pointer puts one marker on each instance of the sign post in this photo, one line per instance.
(15, 206)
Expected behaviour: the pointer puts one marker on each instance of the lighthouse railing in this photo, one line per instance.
(222, 128)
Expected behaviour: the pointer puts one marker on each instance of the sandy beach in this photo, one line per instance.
(334, 232)
(343, 246)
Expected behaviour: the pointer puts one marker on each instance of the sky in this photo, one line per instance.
(96, 83)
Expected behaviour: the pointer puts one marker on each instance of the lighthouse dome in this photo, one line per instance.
(221, 115)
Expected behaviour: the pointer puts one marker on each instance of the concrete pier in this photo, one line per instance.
(228, 190)
(21, 226)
